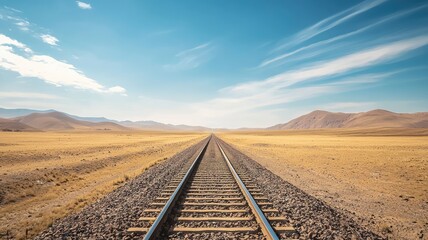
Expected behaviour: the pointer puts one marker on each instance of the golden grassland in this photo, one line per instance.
(379, 175)
(47, 175)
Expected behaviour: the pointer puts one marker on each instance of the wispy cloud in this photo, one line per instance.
(191, 58)
(29, 95)
(17, 57)
(354, 61)
(323, 43)
(83, 5)
(13, 9)
(13, 16)
(251, 102)
(23, 25)
(330, 22)
(253, 99)
(368, 78)
(49, 39)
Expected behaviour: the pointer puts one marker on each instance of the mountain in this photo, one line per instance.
(152, 125)
(11, 113)
(371, 119)
(57, 121)
(51, 120)
(91, 119)
(14, 125)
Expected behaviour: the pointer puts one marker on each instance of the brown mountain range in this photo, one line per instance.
(57, 121)
(54, 121)
(14, 125)
(372, 119)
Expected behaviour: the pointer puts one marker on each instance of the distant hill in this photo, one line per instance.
(91, 119)
(51, 120)
(14, 125)
(152, 125)
(11, 113)
(372, 119)
(57, 121)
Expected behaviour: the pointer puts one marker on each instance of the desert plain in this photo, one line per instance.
(380, 176)
(47, 175)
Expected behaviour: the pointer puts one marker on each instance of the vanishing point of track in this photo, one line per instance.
(212, 199)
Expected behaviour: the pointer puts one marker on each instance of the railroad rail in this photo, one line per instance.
(212, 197)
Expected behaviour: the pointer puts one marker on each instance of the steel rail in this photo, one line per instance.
(266, 228)
(156, 227)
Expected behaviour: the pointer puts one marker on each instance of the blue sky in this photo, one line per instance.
(213, 63)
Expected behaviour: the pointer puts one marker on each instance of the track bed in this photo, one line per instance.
(212, 200)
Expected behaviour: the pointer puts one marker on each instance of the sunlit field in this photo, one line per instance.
(380, 179)
(46, 175)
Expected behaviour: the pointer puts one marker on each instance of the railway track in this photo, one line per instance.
(212, 199)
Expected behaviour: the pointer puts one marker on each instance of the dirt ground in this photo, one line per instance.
(46, 175)
(382, 180)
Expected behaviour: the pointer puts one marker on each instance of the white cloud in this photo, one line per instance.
(4, 40)
(117, 89)
(331, 22)
(84, 5)
(29, 95)
(191, 58)
(23, 25)
(49, 39)
(46, 68)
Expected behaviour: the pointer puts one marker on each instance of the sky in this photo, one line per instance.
(213, 63)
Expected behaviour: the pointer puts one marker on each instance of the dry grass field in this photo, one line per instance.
(46, 175)
(380, 176)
